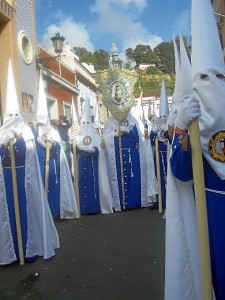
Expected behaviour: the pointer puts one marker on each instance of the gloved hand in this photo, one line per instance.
(41, 142)
(91, 150)
(49, 137)
(155, 128)
(124, 129)
(17, 130)
(72, 136)
(172, 117)
(8, 137)
(188, 111)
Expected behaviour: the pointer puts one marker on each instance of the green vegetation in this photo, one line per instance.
(151, 84)
(161, 59)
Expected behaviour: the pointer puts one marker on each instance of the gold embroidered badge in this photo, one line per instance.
(217, 146)
(87, 140)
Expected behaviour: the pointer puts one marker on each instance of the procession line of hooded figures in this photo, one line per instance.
(120, 177)
(122, 174)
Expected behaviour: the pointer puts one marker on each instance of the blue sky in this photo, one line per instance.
(96, 24)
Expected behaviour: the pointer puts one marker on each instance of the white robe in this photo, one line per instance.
(182, 268)
(42, 237)
(149, 186)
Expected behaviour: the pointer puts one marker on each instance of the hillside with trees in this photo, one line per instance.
(161, 59)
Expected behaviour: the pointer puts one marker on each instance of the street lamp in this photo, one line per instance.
(57, 42)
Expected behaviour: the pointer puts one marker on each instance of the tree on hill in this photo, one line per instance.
(100, 58)
(142, 54)
(165, 53)
(84, 55)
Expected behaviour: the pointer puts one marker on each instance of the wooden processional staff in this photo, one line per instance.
(16, 203)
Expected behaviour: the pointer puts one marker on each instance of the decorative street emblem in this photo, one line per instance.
(217, 146)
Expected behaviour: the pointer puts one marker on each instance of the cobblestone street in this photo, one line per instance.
(102, 257)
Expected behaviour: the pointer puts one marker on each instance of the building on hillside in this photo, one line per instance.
(219, 11)
(152, 101)
(144, 66)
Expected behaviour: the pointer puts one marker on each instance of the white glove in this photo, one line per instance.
(91, 150)
(17, 130)
(72, 137)
(49, 137)
(8, 137)
(188, 111)
(172, 116)
(124, 129)
(155, 128)
(41, 142)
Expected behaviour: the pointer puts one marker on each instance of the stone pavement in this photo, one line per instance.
(102, 257)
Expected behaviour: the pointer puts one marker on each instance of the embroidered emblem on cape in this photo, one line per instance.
(87, 140)
(217, 146)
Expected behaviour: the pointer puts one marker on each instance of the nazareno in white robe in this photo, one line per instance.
(149, 186)
(42, 239)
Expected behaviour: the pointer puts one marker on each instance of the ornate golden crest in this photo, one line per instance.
(117, 86)
(217, 146)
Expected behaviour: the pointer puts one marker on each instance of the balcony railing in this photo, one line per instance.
(6, 12)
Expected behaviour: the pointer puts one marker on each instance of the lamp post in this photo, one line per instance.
(57, 42)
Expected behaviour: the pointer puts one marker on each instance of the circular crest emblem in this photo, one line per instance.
(217, 146)
(87, 140)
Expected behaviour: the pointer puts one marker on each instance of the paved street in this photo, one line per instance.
(102, 257)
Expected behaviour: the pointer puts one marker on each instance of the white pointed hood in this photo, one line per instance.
(42, 110)
(12, 116)
(75, 121)
(12, 112)
(154, 118)
(138, 111)
(177, 88)
(88, 136)
(206, 46)
(186, 75)
(97, 116)
(42, 117)
(11, 105)
(207, 59)
(164, 109)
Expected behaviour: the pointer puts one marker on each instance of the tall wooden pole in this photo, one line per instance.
(75, 168)
(47, 167)
(158, 174)
(201, 210)
(16, 203)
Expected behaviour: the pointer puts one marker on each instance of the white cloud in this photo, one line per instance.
(120, 20)
(116, 21)
(76, 34)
